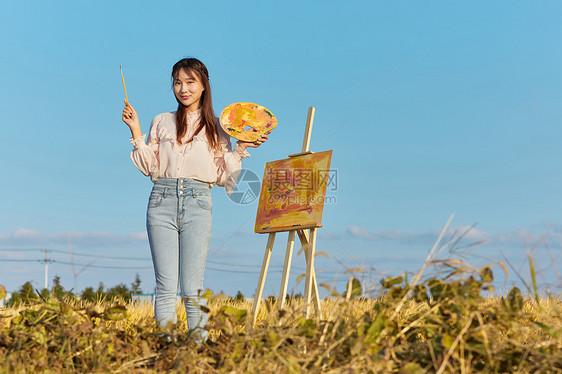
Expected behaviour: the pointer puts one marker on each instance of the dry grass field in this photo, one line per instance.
(440, 325)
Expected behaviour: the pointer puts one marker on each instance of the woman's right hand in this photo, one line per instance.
(131, 119)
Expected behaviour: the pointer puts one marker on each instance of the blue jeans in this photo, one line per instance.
(178, 222)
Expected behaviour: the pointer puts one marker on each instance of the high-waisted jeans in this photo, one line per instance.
(178, 222)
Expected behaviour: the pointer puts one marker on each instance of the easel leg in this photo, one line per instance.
(310, 271)
(303, 236)
(263, 273)
(286, 268)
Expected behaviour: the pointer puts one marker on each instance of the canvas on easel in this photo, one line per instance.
(292, 200)
(293, 193)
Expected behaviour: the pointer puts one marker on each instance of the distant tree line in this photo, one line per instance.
(28, 294)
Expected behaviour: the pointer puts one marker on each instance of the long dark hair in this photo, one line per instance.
(195, 67)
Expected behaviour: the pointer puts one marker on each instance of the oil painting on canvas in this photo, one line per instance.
(293, 193)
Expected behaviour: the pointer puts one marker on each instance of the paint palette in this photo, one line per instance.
(238, 120)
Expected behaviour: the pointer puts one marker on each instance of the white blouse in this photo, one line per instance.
(163, 157)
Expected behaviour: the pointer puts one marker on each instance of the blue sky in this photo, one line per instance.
(430, 109)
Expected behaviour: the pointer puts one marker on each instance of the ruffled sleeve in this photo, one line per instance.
(228, 162)
(145, 155)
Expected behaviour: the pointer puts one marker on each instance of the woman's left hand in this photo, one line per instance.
(255, 144)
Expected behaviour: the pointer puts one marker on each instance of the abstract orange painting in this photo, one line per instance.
(293, 193)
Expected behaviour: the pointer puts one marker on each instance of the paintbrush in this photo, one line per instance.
(125, 88)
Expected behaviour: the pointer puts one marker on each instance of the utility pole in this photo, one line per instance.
(72, 262)
(46, 261)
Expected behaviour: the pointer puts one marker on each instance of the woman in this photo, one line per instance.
(186, 153)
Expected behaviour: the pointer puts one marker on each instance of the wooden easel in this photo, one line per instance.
(308, 242)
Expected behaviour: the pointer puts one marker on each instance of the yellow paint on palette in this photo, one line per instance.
(239, 119)
(242, 114)
(293, 193)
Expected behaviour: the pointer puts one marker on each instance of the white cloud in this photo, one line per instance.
(390, 234)
(384, 235)
(141, 235)
(360, 232)
(470, 233)
(75, 235)
(22, 232)
(524, 237)
(96, 238)
(14, 255)
(25, 236)
(21, 235)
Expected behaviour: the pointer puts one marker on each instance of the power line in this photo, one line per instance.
(86, 265)
(20, 249)
(237, 268)
(150, 267)
(106, 266)
(109, 257)
(238, 271)
(127, 258)
(249, 266)
(75, 253)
